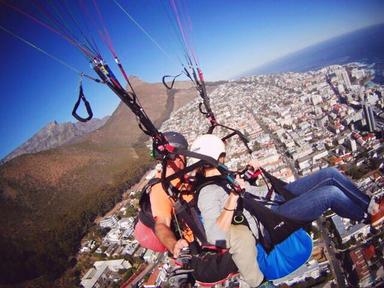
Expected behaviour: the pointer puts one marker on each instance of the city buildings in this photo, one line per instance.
(370, 117)
(301, 122)
(296, 124)
(104, 273)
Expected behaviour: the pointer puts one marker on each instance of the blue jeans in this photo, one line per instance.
(325, 189)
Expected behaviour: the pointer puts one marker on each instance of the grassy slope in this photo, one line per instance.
(42, 225)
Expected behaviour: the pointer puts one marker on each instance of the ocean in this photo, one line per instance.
(365, 46)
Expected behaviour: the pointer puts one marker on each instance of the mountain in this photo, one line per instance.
(54, 135)
(158, 103)
(364, 45)
(49, 199)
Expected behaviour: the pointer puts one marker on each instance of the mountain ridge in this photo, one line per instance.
(55, 134)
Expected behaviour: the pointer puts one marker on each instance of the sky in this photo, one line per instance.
(229, 37)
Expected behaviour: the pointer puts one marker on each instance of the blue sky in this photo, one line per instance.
(229, 37)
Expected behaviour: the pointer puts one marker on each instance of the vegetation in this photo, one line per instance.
(256, 146)
(358, 172)
(131, 211)
(42, 226)
(128, 274)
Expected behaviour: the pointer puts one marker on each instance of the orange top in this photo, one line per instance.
(162, 206)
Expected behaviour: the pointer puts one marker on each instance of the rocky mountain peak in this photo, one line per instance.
(55, 134)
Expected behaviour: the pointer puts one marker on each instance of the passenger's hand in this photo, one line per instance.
(180, 244)
(240, 181)
(233, 198)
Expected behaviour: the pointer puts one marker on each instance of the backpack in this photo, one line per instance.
(145, 212)
(145, 224)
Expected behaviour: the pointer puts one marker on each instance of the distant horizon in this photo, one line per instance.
(305, 48)
(278, 58)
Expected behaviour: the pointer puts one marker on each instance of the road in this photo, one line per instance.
(139, 277)
(142, 274)
(330, 251)
(279, 146)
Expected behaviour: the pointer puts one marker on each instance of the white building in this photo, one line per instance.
(304, 151)
(150, 256)
(318, 155)
(343, 76)
(130, 248)
(346, 230)
(303, 162)
(113, 236)
(340, 88)
(104, 273)
(114, 265)
(352, 145)
(269, 159)
(316, 99)
(96, 278)
(126, 223)
(110, 250)
(108, 222)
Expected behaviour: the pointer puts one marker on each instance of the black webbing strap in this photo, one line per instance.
(189, 216)
(200, 85)
(201, 109)
(224, 171)
(204, 160)
(168, 150)
(278, 185)
(222, 181)
(128, 98)
(265, 200)
(169, 87)
(87, 106)
(235, 132)
(279, 227)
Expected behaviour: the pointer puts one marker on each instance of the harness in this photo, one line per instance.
(276, 228)
(184, 213)
(238, 217)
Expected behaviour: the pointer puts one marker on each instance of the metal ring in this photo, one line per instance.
(238, 219)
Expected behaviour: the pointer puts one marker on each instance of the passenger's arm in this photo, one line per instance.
(225, 218)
